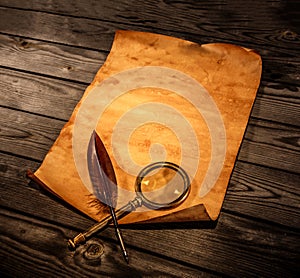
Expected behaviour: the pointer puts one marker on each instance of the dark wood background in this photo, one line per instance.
(49, 53)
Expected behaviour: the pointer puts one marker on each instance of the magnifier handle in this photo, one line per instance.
(82, 237)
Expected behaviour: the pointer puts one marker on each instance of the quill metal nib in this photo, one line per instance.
(119, 235)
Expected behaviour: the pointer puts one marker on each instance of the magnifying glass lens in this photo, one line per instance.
(162, 185)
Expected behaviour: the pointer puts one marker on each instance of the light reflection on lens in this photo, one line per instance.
(162, 185)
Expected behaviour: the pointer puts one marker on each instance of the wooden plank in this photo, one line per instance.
(209, 247)
(60, 61)
(269, 144)
(283, 70)
(36, 248)
(26, 134)
(254, 247)
(39, 95)
(19, 194)
(140, 12)
(258, 192)
(265, 194)
(32, 136)
(276, 101)
(54, 28)
(280, 86)
(251, 247)
(96, 33)
(241, 23)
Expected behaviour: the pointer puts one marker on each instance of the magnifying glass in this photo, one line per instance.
(160, 185)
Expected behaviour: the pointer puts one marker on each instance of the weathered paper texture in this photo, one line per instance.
(200, 129)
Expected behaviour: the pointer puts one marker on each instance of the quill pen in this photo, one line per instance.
(104, 182)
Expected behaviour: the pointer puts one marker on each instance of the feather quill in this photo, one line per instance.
(104, 181)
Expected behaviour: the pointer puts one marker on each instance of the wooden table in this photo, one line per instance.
(51, 50)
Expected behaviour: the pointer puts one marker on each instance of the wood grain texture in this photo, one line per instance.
(214, 23)
(52, 258)
(51, 50)
(270, 144)
(71, 63)
(25, 131)
(277, 100)
(235, 18)
(234, 234)
(46, 242)
(265, 194)
(22, 132)
(21, 91)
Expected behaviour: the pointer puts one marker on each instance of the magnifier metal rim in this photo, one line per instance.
(162, 164)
